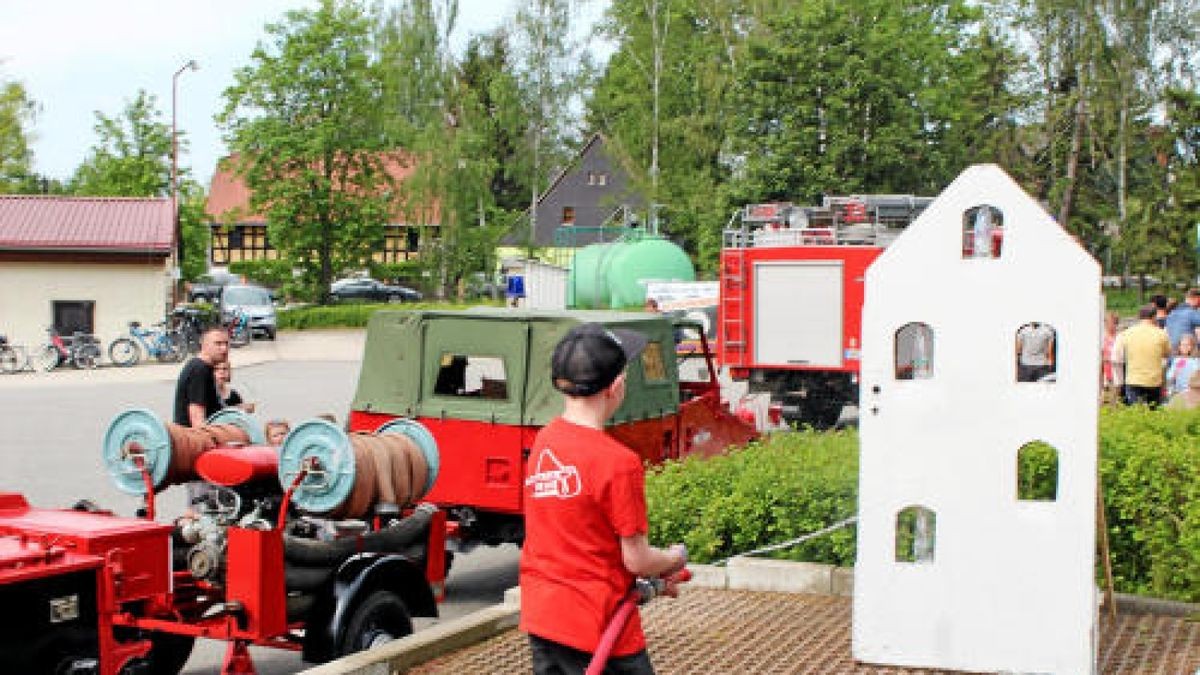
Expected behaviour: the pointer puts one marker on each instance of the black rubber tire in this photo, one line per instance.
(380, 618)
(124, 352)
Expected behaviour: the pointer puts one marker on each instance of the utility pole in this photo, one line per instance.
(178, 281)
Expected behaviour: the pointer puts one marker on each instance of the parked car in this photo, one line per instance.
(207, 288)
(479, 285)
(366, 288)
(253, 301)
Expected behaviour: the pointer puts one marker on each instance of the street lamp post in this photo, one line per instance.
(190, 65)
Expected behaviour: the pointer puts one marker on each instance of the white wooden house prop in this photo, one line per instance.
(959, 566)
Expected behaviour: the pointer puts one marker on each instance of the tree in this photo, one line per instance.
(305, 123)
(551, 70)
(17, 113)
(844, 97)
(486, 73)
(132, 157)
(663, 101)
(193, 225)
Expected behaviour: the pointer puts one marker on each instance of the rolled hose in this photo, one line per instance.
(348, 474)
(306, 552)
(308, 579)
(168, 451)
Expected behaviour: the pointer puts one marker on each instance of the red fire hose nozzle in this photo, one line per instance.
(644, 590)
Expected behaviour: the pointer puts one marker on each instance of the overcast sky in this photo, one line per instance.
(78, 56)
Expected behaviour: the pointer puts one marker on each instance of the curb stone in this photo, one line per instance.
(425, 645)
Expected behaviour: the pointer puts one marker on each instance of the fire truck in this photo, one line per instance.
(791, 295)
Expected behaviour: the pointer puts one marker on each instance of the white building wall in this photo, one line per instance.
(122, 293)
(1011, 585)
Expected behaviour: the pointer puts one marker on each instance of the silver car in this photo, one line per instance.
(257, 304)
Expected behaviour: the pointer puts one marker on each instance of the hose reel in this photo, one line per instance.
(346, 475)
(137, 438)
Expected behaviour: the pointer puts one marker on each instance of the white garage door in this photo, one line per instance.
(798, 313)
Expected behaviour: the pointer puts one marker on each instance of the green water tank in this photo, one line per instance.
(587, 284)
(615, 275)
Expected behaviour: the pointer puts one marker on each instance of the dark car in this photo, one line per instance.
(207, 288)
(371, 290)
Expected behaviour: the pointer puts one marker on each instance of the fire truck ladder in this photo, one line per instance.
(733, 306)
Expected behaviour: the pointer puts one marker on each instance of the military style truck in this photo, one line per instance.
(479, 380)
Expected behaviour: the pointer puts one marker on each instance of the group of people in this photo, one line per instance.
(1155, 360)
(204, 388)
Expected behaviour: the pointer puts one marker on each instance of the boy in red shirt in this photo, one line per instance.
(585, 514)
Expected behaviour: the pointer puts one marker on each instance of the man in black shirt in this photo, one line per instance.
(196, 390)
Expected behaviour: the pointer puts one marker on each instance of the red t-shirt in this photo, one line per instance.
(583, 492)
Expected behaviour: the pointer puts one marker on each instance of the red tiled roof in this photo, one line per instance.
(228, 192)
(36, 222)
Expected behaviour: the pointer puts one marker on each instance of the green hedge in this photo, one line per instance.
(1150, 465)
(795, 483)
(779, 489)
(348, 315)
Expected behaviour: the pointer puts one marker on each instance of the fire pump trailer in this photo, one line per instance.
(312, 547)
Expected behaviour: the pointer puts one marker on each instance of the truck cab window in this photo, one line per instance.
(471, 376)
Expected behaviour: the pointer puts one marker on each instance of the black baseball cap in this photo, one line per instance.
(591, 356)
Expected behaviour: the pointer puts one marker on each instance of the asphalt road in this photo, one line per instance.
(52, 425)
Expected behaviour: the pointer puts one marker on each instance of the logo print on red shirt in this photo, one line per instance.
(552, 479)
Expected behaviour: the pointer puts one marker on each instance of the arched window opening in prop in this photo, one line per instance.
(916, 535)
(1037, 472)
(983, 232)
(914, 352)
(1037, 353)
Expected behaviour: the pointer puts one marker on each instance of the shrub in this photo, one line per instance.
(792, 484)
(1150, 467)
(348, 315)
(771, 491)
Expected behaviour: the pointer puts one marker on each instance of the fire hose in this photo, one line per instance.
(643, 591)
(316, 553)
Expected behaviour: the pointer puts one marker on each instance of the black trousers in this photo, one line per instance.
(552, 658)
(1151, 396)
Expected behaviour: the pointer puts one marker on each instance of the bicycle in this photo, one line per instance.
(13, 358)
(239, 329)
(82, 350)
(158, 342)
(187, 323)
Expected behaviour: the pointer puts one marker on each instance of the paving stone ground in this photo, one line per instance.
(717, 631)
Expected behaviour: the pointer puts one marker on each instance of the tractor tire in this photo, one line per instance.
(380, 618)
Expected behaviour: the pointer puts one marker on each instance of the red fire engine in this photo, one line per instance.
(790, 312)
